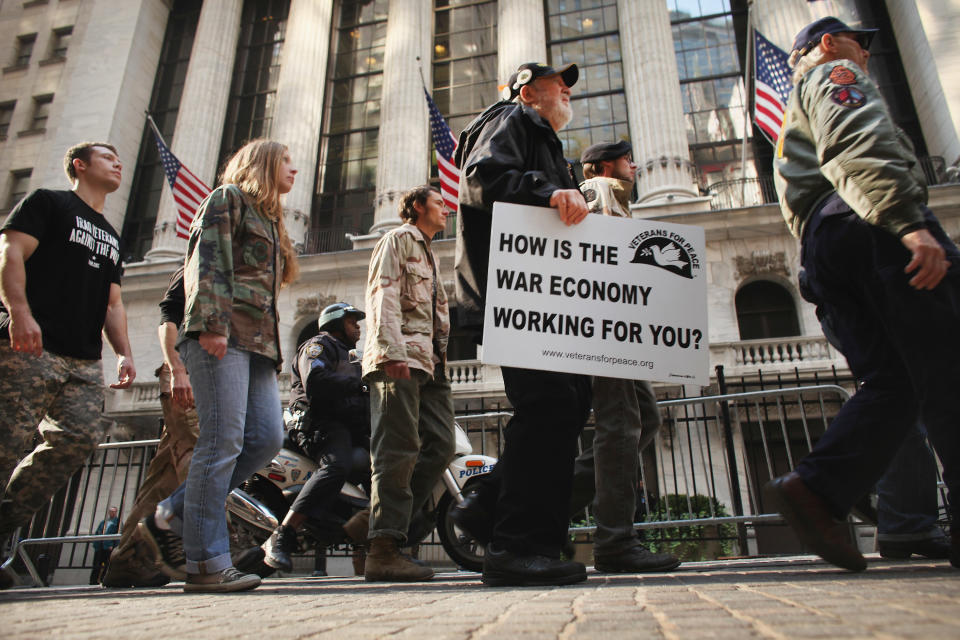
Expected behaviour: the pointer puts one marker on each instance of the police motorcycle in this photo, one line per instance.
(256, 508)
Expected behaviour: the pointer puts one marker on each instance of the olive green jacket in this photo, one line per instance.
(232, 273)
(838, 136)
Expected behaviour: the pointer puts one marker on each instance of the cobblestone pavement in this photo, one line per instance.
(784, 598)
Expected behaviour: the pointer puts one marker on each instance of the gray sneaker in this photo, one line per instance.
(226, 581)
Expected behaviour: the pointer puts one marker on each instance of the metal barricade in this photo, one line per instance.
(708, 463)
(713, 455)
(110, 477)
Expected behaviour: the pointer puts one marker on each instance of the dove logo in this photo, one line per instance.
(666, 251)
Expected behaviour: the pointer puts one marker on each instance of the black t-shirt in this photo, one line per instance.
(70, 272)
(174, 299)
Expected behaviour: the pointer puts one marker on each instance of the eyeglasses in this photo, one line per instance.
(862, 39)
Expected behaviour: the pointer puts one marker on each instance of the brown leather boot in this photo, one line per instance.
(359, 559)
(812, 521)
(385, 564)
(358, 526)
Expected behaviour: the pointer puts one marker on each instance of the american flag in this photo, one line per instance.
(772, 86)
(445, 143)
(188, 190)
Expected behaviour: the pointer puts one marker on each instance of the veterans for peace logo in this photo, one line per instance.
(665, 250)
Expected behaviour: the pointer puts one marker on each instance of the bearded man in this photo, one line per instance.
(511, 153)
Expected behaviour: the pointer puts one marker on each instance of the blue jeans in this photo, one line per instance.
(241, 428)
(907, 505)
(902, 344)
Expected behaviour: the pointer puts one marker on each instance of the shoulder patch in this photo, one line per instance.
(849, 97)
(314, 350)
(590, 195)
(842, 76)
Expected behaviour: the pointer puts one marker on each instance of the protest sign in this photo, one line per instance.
(614, 297)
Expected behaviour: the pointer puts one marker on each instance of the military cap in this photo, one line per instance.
(605, 151)
(810, 35)
(530, 71)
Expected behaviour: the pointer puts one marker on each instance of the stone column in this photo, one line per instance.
(652, 85)
(404, 141)
(299, 108)
(521, 35)
(203, 109)
(780, 21)
(931, 60)
(103, 91)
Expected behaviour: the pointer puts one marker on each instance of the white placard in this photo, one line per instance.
(614, 297)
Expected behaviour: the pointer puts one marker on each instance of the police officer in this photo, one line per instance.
(884, 276)
(331, 407)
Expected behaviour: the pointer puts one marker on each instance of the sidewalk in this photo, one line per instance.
(798, 597)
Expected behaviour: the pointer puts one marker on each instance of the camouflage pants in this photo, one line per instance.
(68, 392)
(166, 472)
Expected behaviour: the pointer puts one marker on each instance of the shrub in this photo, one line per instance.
(690, 543)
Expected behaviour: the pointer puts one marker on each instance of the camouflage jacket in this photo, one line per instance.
(608, 196)
(838, 136)
(232, 274)
(403, 322)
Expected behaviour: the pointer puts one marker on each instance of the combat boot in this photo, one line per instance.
(359, 559)
(386, 564)
(279, 546)
(358, 526)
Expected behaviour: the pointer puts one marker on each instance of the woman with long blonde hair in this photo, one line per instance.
(238, 257)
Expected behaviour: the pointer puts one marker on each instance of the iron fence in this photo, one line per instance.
(704, 473)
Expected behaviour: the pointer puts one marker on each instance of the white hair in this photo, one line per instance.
(801, 65)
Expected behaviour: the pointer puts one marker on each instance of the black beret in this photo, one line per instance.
(605, 151)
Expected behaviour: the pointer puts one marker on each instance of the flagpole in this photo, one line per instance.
(420, 69)
(746, 104)
(153, 125)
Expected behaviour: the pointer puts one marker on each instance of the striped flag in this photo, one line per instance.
(771, 86)
(445, 143)
(188, 190)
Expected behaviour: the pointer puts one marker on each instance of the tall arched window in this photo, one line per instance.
(346, 179)
(766, 310)
(148, 181)
(256, 70)
(587, 33)
(309, 330)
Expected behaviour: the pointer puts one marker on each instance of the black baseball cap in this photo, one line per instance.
(810, 35)
(530, 71)
(605, 151)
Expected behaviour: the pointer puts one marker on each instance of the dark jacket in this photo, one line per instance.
(327, 387)
(507, 154)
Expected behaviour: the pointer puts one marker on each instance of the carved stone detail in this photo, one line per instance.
(758, 263)
(311, 306)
